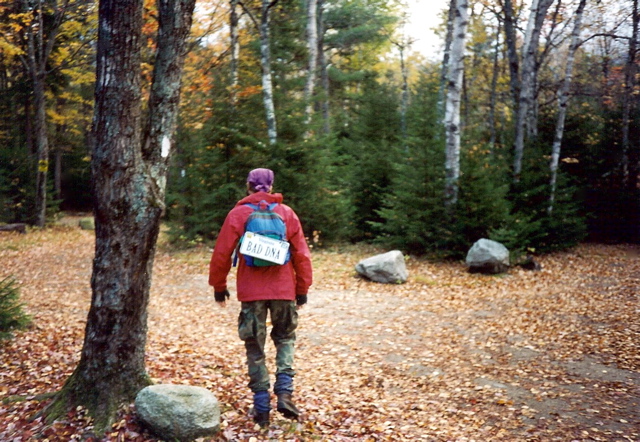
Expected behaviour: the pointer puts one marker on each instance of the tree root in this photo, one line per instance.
(102, 404)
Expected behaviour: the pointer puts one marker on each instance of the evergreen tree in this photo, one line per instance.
(413, 211)
(12, 315)
(372, 146)
(414, 215)
(537, 230)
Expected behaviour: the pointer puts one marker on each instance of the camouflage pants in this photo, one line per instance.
(252, 328)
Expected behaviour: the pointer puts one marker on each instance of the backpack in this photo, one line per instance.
(263, 221)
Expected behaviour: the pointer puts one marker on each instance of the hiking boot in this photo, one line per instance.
(286, 406)
(261, 418)
(261, 408)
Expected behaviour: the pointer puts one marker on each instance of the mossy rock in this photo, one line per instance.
(87, 224)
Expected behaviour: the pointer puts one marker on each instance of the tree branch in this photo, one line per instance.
(250, 14)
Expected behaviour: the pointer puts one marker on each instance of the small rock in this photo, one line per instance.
(87, 224)
(530, 263)
(178, 412)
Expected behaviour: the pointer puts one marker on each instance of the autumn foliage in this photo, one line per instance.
(547, 355)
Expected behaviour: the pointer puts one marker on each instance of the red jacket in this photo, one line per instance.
(262, 283)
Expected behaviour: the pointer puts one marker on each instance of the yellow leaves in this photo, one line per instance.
(10, 50)
(20, 20)
(249, 91)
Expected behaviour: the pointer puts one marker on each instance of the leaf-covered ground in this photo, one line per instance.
(448, 356)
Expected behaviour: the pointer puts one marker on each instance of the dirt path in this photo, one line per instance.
(549, 355)
(527, 356)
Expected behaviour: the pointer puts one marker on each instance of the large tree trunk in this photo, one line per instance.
(312, 46)
(563, 101)
(129, 176)
(527, 90)
(265, 62)
(455, 70)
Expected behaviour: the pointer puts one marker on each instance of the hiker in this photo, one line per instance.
(279, 289)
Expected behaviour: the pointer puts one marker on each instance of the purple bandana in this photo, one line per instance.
(261, 179)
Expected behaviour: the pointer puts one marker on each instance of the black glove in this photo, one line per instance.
(301, 299)
(221, 296)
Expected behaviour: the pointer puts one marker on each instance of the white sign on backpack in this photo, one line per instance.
(263, 247)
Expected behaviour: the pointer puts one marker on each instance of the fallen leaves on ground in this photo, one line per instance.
(451, 356)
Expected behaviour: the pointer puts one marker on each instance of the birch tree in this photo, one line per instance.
(446, 57)
(494, 85)
(403, 44)
(527, 81)
(312, 47)
(455, 70)
(129, 169)
(235, 51)
(563, 101)
(324, 70)
(265, 64)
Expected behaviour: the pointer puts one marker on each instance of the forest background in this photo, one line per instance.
(352, 120)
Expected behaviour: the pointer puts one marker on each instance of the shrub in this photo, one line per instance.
(11, 314)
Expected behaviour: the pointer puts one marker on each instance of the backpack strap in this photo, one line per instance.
(253, 206)
(262, 205)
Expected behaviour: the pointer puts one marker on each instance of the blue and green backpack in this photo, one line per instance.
(263, 221)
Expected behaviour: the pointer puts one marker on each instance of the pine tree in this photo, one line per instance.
(12, 316)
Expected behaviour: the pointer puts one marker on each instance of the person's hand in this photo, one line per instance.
(221, 297)
(301, 300)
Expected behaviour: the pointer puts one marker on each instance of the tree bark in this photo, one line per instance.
(494, 85)
(455, 71)
(527, 90)
(42, 145)
(531, 120)
(627, 98)
(235, 52)
(312, 46)
(38, 50)
(404, 102)
(57, 174)
(446, 57)
(512, 52)
(563, 101)
(129, 176)
(324, 71)
(265, 62)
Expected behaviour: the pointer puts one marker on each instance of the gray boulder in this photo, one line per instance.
(487, 256)
(387, 268)
(178, 412)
